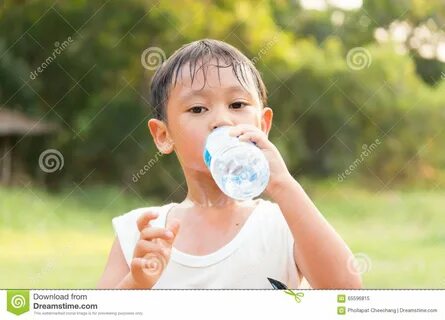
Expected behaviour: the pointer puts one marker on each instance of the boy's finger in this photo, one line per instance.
(154, 264)
(173, 226)
(144, 220)
(258, 138)
(136, 267)
(151, 233)
(145, 271)
(144, 247)
(242, 128)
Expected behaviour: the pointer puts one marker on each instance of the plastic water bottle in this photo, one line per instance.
(239, 168)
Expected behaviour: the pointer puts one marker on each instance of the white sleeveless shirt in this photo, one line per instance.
(262, 249)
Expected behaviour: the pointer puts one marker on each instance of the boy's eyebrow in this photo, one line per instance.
(205, 92)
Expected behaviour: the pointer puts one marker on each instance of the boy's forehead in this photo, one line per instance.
(213, 75)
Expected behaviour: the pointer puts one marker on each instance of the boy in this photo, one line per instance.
(210, 240)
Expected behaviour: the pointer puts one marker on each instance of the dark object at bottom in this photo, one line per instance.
(277, 284)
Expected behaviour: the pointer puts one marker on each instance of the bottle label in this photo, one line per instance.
(207, 158)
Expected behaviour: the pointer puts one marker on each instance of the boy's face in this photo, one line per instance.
(195, 109)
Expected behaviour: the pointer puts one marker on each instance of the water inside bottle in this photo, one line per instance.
(242, 172)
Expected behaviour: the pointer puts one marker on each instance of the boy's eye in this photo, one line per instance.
(196, 109)
(238, 105)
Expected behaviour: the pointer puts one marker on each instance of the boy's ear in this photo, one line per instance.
(266, 120)
(161, 137)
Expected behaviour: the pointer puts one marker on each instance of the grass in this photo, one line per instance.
(58, 241)
(400, 232)
(62, 241)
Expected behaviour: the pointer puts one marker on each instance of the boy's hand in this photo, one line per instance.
(279, 174)
(152, 251)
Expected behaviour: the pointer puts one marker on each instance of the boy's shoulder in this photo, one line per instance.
(267, 211)
(126, 229)
(270, 215)
(132, 215)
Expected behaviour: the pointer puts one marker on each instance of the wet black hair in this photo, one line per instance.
(198, 55)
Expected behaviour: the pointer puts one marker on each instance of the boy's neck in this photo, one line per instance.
(204, 192)
(218, 200)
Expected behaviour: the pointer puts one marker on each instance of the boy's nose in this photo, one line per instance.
(221, 118)
(222, 124)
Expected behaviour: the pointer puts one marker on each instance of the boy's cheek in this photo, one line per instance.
(192, 153)
(190, 142)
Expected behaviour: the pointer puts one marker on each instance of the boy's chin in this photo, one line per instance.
(201, 168)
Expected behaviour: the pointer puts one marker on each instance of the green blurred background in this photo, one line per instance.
(358, 92)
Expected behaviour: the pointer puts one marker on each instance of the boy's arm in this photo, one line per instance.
(153, 241)
(322, 256)
(116, 269)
